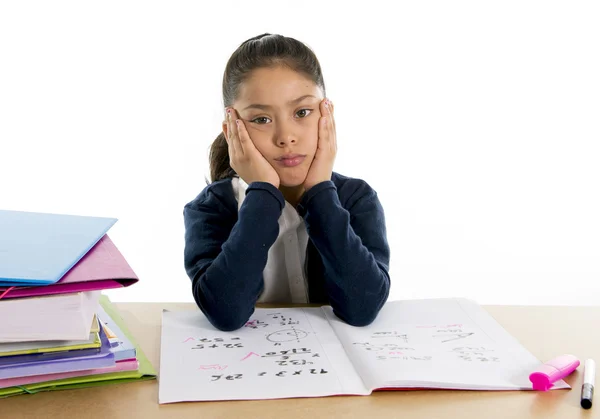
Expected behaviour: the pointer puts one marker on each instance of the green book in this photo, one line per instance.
(144, 372)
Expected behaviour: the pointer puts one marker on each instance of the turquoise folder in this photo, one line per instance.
(39, 248)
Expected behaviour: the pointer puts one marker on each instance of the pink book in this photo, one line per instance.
(121, 366)
(103, 267)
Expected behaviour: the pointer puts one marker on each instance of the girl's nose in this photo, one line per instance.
(289, 140)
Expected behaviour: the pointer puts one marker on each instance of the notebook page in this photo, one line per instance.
(438, 343)
(279, 353)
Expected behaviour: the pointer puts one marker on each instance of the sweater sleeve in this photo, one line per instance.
(353, 246)
(225, 257)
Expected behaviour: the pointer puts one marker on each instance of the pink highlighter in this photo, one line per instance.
(547, 374)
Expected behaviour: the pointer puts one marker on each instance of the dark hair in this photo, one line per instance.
(262, 51)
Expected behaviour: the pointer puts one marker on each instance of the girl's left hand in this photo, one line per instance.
(322, 165)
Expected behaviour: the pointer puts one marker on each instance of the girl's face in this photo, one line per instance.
(280, 109)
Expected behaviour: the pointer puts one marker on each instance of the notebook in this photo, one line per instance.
(57, 362)
(119, 367)
(39, 248)
(23, 348)
(309, 352)
(103, 267)
(53, 317)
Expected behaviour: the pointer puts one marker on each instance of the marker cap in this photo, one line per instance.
(547, 374)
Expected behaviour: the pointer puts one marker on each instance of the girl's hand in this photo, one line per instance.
(244, 157)
(322, 165)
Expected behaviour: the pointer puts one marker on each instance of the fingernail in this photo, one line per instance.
(327, 103)
(228, 113)
(237, 122)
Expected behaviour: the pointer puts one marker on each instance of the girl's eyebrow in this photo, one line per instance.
(266, 107)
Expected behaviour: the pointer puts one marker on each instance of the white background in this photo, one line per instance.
(477, 122)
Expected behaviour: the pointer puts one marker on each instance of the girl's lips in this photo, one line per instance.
(291, 161)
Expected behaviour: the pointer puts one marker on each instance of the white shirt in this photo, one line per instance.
(285, 281)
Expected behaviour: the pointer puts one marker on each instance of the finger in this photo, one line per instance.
(323, 107)
(326, 110)
(331, 126)
(330, 109)
(324, 113)
(328, 116)
(237, 126)
(324, 132)
(233, 142)
(245, 141)
(228, 123)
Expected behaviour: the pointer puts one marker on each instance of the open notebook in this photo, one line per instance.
(309, 352)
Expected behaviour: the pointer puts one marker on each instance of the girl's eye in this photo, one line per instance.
(260, 120)
(303, 113)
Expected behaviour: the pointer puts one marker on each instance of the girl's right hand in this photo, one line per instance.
(244, 157)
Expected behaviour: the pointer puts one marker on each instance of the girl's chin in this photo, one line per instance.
(291, 184)
(290, 180)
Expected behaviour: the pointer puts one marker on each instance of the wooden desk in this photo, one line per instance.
(545, 331)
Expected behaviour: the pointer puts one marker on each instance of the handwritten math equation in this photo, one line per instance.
(448, 332)
(291, 332)
(299, 360)
(284, 358)
(482, 354)
(275, 345)
(425, 334)
(278, 319)
(426, 342)
(231, 377)
(214, 343)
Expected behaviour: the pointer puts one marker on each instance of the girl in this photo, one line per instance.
(276, 224)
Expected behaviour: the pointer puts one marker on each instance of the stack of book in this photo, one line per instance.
(57, 331)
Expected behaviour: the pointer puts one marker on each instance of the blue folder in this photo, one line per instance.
(39, 248)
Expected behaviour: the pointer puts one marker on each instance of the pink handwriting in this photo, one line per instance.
(249, 355)
(212, 367)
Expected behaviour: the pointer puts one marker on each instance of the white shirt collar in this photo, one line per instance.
(286, 257)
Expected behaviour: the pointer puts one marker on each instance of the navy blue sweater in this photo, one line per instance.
(347, 258)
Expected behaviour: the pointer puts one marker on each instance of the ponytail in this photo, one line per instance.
(219, 160)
